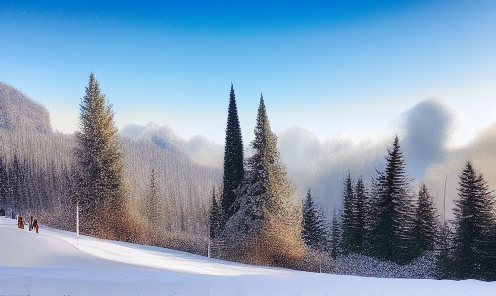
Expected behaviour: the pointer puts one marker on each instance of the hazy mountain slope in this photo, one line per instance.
(200, 149)
(19, 112)
(184, 179)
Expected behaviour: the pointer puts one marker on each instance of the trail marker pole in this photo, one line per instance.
(444, 204)
(208, 250)
(77, 224)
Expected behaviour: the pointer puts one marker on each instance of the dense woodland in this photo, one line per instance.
(135, 190)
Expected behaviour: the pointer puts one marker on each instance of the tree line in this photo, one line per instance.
(145, 194)
(257, 220)
(46, 173)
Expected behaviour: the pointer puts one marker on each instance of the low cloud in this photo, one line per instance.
(424, 131)
(428, 127)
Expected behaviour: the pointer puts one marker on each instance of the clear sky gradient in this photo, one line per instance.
(332, 67)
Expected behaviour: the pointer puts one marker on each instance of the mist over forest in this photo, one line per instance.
(425, 133)
(171, 186)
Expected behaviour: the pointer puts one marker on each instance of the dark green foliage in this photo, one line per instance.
(359, 217)
(215, 218)
(348, 239)
(336, 249)
(444, 254)
(474, 241)
(266, 228)
(426, 224)
(314, 230)
(392, 233)
(233, 158)
(353, 220)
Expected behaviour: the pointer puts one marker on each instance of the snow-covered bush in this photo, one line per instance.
(421, 268)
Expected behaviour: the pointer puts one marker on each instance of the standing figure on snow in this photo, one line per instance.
(35, 222)
(31, 223)
(20, 222)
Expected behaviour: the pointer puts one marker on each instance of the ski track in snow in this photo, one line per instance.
(54, 263)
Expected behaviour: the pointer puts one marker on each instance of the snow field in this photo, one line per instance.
(54, 263)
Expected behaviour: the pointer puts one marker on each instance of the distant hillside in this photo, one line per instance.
(19, 112)
(199, 149)
(36, 173)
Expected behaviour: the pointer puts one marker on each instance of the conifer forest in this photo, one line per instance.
(128, 188)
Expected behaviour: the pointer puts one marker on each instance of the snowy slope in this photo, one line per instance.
(52, 263)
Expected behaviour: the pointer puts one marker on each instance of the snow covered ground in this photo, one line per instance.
(52, 263)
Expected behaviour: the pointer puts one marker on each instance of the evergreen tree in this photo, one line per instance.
(314, 231)
(215, 218)
(335, 237)
(100, 191)
(444, 256)
(266, 229)
(474, 242)
(393, 230)
(360, 217)
(426, 225)
(348, 230)
(233, 158)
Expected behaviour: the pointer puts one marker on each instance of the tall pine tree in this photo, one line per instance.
(314, 230)
(347, 221)
(233, 158)
(359, 220)
(100, 191)
(474, 242)
(393, 229)
(353, 217)
(266, 229)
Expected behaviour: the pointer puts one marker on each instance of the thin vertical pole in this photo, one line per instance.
(208, 242)
(77, 224)
(444, 205)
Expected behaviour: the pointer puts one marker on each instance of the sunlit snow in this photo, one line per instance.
(53, 263)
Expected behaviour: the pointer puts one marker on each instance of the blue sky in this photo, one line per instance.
(350, 68)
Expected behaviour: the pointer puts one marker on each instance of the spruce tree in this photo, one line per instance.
(100, 190)
(335, 237)
(314, 231)
(474, 242)
(347, 220)
(444, 253)
(233, 158)
(266, 229)
(393, 229)
(215, 220)
(360, 216)
(426, 225)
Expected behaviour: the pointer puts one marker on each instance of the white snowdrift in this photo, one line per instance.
(53, 263)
